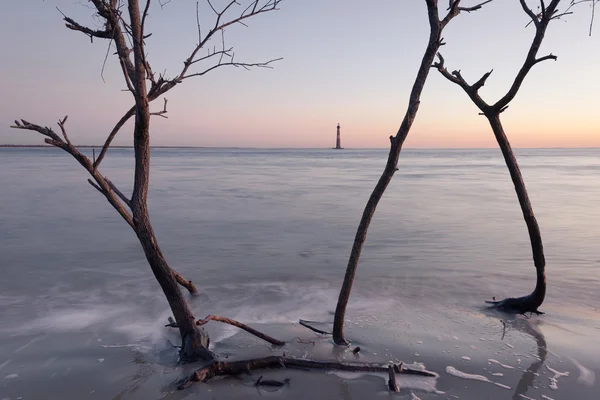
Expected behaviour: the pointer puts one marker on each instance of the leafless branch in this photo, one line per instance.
(269, 5)
(474, 8)
(548, 57)
(457, 78)
(61, 124)
(112, 135)
(118, 192)
(101, 183)
(454, 9)
(531, 59)
(91, 182)
(528, 11)
(162, 112)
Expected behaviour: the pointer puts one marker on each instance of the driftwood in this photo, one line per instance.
(252, 331)
(312, 328)
(240, 325)
(224, 368)
(392, 384)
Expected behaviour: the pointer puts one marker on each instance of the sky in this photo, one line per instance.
(344, 61)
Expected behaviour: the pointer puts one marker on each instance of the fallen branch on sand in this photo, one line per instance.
(252, 331)
(312, 328)
(224, 368)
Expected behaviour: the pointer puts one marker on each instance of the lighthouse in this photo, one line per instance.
(338, 140)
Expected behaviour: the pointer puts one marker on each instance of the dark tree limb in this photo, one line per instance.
(242, 326)
(312, 328)
(101, 183)
(392, 384)
(189, 285)
(223, 368)
(112, 135)
(457, 78)
(528, 11)
(163, 112)
(396, 142)
(237, 324)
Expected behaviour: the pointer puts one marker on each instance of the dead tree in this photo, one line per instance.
(124, 25)
(540, 21)
(436, 25)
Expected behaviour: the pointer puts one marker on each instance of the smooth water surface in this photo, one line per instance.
(266, 234)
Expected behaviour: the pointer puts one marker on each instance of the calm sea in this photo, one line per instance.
(266, 234)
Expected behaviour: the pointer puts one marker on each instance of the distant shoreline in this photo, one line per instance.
(88, 146)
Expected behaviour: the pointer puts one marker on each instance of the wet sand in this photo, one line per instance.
(476, 357)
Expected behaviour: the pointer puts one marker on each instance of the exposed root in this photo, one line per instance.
(195, 347)
(519, 305)
(240, 325)
(222, 368)
(312, 328)
(392, 384)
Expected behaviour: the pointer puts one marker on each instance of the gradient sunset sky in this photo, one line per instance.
(349, 61)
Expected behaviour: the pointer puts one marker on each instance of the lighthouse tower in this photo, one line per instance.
(338, 140)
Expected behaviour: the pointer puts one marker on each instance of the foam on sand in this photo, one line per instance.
(459, 374)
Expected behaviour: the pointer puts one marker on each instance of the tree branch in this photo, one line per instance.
(540, 30)
(112, 135)
(222, 368)
(528, 11)
(240, 325)
(548, 57)
(270, 5)
(246, 66)
(454, 9)
(162, 112)
(457, 78)
(85, 162)
(474, 8)
(118, 192)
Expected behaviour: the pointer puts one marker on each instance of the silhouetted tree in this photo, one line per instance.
(540, 21)
(124, 25)
(436, 26)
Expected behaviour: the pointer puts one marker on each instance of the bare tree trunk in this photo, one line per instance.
(540, 20)
(128, 38)
(194, 341)
(531, 302)
(359, 239)
(436, 27)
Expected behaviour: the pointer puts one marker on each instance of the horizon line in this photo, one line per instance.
(291, 148)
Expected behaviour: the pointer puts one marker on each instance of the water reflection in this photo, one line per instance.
(529, 328)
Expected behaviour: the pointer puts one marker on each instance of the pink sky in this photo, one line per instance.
(346, 62)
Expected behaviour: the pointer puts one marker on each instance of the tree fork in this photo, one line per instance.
(533, 301)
